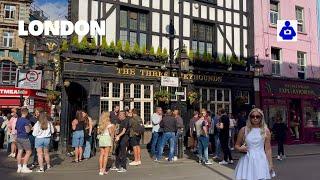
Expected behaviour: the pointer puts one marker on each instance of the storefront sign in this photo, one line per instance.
(158, 74)
(169, 81)
(13, 92)
(41, 94)
(31, 79)
(317, 135)
(279, 87)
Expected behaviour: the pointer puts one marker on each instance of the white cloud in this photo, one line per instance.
(55, 11)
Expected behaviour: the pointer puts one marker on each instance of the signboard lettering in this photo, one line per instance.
(158, 74)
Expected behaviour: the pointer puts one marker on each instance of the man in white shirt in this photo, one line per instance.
(156, 119)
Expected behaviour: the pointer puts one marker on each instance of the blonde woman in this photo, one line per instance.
(254, 140)
(43, 130)
(105, 134)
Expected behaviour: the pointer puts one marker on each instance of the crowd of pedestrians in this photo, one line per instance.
(119, 132)
(29, 137)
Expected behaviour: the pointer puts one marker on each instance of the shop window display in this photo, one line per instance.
(311, 117)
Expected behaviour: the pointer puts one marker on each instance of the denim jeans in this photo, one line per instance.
(87, 148)
(155, 144)
(203, 143)
(167, 136)
(218, 145)
(176, 143)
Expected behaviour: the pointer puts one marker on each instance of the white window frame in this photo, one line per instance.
(215, 102)
(12, 11)
(120, 99)
(300, 21)
(304, 61)
(273, 13)
(8, 36)
(276, 61)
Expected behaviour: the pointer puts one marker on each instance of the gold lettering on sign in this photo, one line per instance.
(126, 71)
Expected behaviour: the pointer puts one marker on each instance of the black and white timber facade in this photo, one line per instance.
(217, 27)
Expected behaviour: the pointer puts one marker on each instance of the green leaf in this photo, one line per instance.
(64, 46)
(119, 46)
(74, 41)
(127, 48)
(84, 43)
(191, 55)
(164, 53)
(159, 52)
(136, 48)
(112, 47)
(93, 44)
(104, 44)
(151, 51)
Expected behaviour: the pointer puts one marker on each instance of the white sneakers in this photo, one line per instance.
(122, 170)
(135, 163)
(280, 158)
(24, 170)
(175, 158)
(12, 155)
(223, 162)
(208, 163)
(114, 169)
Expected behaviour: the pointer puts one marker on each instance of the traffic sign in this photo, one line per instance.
(29, 79)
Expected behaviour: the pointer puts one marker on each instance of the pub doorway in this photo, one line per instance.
(77, 100)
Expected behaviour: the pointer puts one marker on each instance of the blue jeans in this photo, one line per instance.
(87, 148)
(203, 143)
(156, 141)
(171, 137)
(218, 145)
(176, 143)
(77, 138)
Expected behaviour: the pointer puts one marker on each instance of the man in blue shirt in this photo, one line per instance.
(23, 127)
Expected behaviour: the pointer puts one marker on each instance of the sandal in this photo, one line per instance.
(75, 161)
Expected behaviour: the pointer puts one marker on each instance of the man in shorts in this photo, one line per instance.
(23, 127)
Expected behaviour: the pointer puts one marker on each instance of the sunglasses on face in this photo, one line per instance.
(255, 117)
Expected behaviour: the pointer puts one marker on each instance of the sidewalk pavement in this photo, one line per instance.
(185, 168)
(149, 170)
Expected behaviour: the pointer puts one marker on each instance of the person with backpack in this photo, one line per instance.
(43, 130)
(136, 130)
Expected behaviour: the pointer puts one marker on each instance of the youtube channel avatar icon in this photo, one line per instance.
(287, 30)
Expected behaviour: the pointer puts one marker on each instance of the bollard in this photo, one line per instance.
(180, 146)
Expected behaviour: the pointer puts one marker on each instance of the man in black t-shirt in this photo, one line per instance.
(122, 140)
(224, 137)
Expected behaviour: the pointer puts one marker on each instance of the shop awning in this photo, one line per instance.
(8, 103)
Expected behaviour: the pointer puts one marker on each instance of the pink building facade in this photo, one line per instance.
(281, 58)
(289, 88)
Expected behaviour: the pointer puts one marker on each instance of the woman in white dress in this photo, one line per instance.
(254, 140)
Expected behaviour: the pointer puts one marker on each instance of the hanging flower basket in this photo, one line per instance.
(52, 96)
(162, 96)
(193, 97)
(241, 100)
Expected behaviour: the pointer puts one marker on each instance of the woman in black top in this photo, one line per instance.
(279, 129)
(78, 126)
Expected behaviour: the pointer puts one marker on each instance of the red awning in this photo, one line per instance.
(8, 103)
